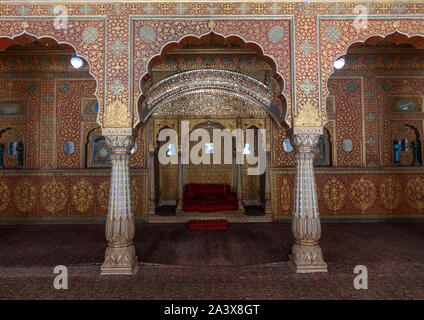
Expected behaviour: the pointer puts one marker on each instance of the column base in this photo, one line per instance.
(152, 209)
(120, 261)
(268, 207)
(179, 208)
(307, 259)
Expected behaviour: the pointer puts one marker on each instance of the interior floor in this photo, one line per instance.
(245, 261)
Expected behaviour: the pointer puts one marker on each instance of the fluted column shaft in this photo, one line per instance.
(120, 257)
(268, 208)
(179, 208)
(152, 202)
(306, 226)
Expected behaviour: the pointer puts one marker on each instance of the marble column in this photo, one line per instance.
(268, 208)
(180, 185)
(120, 256)
(306, 254)
(239, 188)
(152, 201)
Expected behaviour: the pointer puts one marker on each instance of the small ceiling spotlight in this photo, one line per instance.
(339, 63)
(76, 61)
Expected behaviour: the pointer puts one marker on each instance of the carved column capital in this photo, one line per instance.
(305, 139)
(120, 143)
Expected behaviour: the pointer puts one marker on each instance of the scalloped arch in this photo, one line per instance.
(236, 39)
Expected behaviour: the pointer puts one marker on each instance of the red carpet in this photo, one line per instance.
(207, 224)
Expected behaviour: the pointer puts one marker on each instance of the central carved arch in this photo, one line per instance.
(212, 81)
(260, 96)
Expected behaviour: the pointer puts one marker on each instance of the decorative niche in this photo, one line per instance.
(323, 150)
(330, 104)
(97, 153)
(399, 104)
(89, 107)
(13, 107)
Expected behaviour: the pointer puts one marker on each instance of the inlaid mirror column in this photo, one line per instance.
(306, 254)
(120, 256)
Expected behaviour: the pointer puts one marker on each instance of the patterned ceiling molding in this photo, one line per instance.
(209, 81)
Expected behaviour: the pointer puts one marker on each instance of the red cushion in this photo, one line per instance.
(207, 189)
(211, 198)
(189, 195)
(231, 196)
(209, 206)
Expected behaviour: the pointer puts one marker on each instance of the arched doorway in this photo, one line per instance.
(375, 114)
(212, 82)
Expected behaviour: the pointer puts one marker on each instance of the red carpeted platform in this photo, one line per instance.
(207, 224)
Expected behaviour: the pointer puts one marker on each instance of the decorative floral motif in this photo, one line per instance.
(53, 196)
(149, 8)
(4, 196)
(31, 88)
(385, 86)
(22, 10)
(24, 195)
(82, 195)
(64, 88)
(276, 33)
(332, 33)
(275, 8)
(390, 193)
(334, 195)
(180, 8)
(117, 48)
(399, 8)
(103, 195)
(362, 194)
(243, 8)
(117, 86)
(307, 86)
(134, 195)
(352, 86)
(337, 8)
(90, 34)
(117, 8)
(306, 47)
(285, 195)
(48, 97)
(86, 9)
(414, 193)
(147, 34)
(211, 8)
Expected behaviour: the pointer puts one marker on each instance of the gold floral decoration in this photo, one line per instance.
(134, 195)
(415, 193)
(362, 194)
(334, 195)
(103, 195)
(24, 195)
(390, 193)
(53, 196)
(4, 196)
(285, 195)
(82, 195)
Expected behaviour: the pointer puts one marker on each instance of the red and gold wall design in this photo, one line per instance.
(54, 96)
(70, 195)
(355, 193)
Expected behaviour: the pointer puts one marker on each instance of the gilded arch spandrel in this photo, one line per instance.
(88, 41)
(337, 33)
(151, 36)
